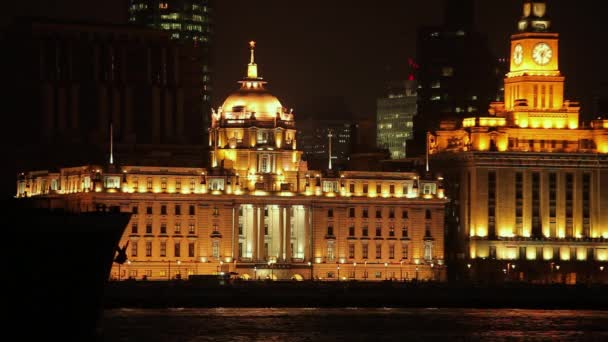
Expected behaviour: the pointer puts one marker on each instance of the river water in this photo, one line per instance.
(352, 324)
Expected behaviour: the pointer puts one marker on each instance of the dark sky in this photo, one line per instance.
(315, 48)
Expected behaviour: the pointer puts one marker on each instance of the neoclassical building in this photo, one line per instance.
(530, 180)
(258, 211)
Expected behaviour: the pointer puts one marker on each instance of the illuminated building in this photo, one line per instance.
(394, 118)
(457, 72)
(530, 182)
(259, 211)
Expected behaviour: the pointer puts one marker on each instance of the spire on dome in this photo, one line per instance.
(252, 68)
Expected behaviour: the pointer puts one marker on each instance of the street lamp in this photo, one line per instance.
(354, 270)
(310, 269)
(219, 267)
(179, 271)
(401, 270)
(255, 273)
(385, 271)
(365, 270)
(416, 273)
(338, 272)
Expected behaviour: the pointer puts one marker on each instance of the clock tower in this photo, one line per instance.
(534, 86)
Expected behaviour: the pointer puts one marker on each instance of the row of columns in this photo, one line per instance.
(285, 252)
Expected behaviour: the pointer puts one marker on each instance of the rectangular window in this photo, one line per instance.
(191, 249)
(178, 209)
(365, 186)
(364, 231)
(266, 229)
(586, 205)
(133, 248)
(330, 230)
(392, 189)
(149, 183)
(351, 212)
(391, 252)
(330, 251)
(536, 221)
(177, 250)
(215, 249)
(391, 213)
(378, 251)
(191, 228)
(163, 249)
(134, 210)
(404, 214)
(492, 204)
(428, 251)
(330, 213)
(351, 231)
(364, 213)
(149, 210)
(427, 214)
(351, 188)
(351, 250)
(178, 185)
(149, 228)
(364, 251)
(519, 202)
(191, 210)
(148, 248)
(378, 231)
(134, 228)
(163, 228)
(391, 231)
(404, 232)
(240, 249)
(163, 183)
(240, 229)
(378, 188)
(378, 213)
(404, 251)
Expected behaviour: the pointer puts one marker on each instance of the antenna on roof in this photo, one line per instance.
(111, 145)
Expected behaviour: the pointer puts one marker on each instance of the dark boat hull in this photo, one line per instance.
(61, 264)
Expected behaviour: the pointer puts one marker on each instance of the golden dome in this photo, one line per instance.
(252, 97)
(249, 100)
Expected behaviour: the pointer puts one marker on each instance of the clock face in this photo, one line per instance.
(518, 54)
(542, 54)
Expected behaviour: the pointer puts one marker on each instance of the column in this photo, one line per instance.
(235, 231)
(307, 235)
(281, 233)
(254, 257)
(261, 236)
(288, 251)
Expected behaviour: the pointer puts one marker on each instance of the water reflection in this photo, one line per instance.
(352, 324)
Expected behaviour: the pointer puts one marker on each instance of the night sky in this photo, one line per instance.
(317, 48)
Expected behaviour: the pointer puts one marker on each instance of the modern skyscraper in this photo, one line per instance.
(457, 75)
(395, 117)
(185, 21)
(528, 179)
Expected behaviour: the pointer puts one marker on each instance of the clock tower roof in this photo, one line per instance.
(534, 18)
